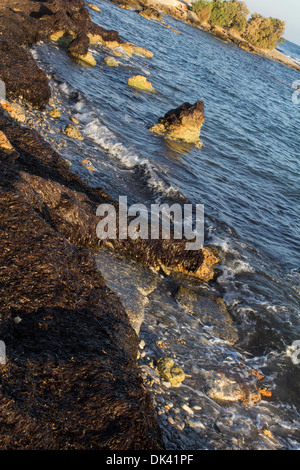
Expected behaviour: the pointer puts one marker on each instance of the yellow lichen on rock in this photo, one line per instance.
(169, 371)
(205, 272)
(111, 62)
(141, 51)
(62, 36)
(141, 83)
(55, 113)
(88, 165)
(87, 58)
(72, 131)
(183, 123)
(94, 7)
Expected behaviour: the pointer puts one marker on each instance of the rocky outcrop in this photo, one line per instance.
(183, 123)
(70, 380)
(141, 83)
(22, 76)
(27, 22)
(211, 311)
(234, 386)
(72, 131)
(169, 371)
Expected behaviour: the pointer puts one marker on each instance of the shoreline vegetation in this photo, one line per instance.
(187, 12)
(71, 379)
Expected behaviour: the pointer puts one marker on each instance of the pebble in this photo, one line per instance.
(186, 408)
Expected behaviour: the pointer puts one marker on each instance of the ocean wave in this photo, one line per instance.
(128, 157)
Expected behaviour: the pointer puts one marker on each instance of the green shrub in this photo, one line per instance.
(203, 9)
(264, 32)
(232, 14)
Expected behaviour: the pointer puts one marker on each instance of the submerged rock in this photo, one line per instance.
(88, 165)
(183, 123)
(111, 62)
(169, 371)
(211, 311)
(55, 113)
(141, 83)
(230, 387)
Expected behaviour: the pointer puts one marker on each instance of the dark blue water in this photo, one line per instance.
(246, 173)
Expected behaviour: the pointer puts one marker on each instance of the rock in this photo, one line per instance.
(88, 165)
(141, 83)
(94, 7)
(119, 274)
(151, 13)
(229, 387)
(141, 51)
(14, 110)
(183, 123)
(186, 408)
(55, 113)
(6, 147)
(111, 62)
(72, 358)
(130, 49)
(86, 59)
(205, 272)
(170, 372)
(64, 38)
(5, 144)
(72, 131)
(211, 311)
(74, 120)
(21, 75)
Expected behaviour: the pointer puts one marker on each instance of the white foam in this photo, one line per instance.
(129, 158)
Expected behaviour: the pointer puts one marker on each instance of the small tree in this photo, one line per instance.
(203, 9)
(264, 32)
(229, 14)
(239, 22)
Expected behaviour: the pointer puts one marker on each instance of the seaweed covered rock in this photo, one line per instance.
(183, 123)
(21, 75)
(70, 380)
(28, 22)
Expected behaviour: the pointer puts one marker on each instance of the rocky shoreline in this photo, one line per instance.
(71, 379)
(154, 10)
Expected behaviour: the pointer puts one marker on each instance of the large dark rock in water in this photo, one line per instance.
(183, 123)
